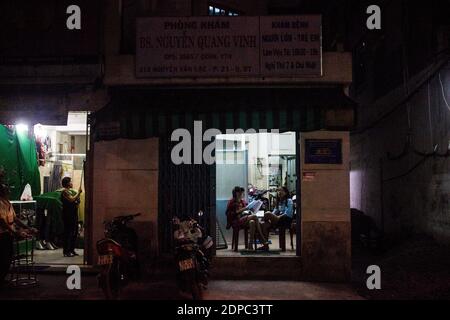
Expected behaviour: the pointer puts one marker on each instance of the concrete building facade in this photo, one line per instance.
(128, 166)
(325, 225)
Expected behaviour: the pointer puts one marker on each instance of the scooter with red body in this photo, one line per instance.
(118, 256)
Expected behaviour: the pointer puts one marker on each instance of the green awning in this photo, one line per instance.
(136, 114)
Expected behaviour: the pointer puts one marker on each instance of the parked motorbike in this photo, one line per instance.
(192, 256)
(117, 256)
(255, 194)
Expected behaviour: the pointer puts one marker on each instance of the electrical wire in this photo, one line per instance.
(404, 152)
(428, 77)
(408, 171)
(409, 146)
(436, 147)
(430, 121)
(443, 92)
(424, 158)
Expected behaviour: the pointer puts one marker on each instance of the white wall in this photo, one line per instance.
(259, 147)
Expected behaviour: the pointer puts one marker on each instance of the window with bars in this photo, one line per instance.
(218, 11)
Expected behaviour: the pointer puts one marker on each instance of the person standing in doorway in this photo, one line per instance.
(70, 203)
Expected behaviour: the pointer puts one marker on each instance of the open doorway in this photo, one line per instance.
(46, 155)
(264, 165)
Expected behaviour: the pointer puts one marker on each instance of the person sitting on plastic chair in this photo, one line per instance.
(10, 228)
(282, 215)
(237, 219)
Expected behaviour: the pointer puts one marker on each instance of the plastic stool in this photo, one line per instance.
(23, 273)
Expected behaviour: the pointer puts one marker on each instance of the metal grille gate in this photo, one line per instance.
(184, 190)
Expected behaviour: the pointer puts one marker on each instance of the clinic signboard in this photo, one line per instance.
(290, 45)
(228, 46)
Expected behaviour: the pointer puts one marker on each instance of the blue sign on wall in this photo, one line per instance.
(323, 151)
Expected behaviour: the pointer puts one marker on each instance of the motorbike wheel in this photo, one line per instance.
(111, 281)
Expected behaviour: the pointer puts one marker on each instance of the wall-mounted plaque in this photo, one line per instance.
(323, 151)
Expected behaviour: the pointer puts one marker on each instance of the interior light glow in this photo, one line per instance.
(21, 127)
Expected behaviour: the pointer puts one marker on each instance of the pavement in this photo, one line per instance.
(53, 287)
(279, 290)
(415, 269)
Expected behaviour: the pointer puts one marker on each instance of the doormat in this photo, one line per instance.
(258, 253)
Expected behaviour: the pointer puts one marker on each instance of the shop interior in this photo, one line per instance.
(39, 157)
(260, 163)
